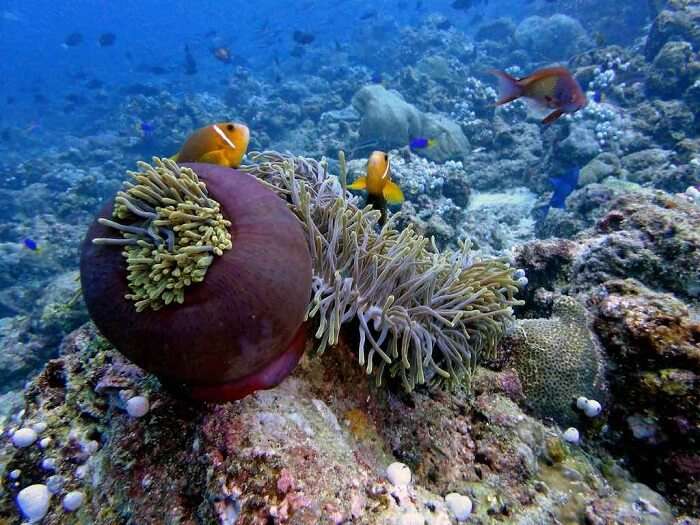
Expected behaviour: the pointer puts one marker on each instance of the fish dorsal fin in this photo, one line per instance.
(221, 134)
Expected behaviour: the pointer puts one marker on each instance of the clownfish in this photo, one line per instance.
(380, 189)
(551, 88)
(224, 144)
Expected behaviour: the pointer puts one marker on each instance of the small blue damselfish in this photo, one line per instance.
(31, 244)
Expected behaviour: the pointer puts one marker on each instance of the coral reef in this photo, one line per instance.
(107, 443)
(644, 244)
(313, 450)
(387, 119)
(536, 34)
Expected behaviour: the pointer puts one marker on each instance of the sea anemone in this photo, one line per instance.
(422, 315)
(200, 275)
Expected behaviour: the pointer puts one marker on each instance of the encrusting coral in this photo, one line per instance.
(557, 360)
(422, 314)
(182, 230)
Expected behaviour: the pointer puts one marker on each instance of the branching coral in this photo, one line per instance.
(182, 230)
(421, 314)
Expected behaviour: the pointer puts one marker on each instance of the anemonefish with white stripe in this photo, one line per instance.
(224, 143)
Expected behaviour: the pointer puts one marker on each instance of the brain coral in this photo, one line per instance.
(557, 360)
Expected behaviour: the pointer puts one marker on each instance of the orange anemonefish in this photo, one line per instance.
(551, 88)
(224, 144)
(380, 189)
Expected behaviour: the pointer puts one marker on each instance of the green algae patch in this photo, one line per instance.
(171, 232)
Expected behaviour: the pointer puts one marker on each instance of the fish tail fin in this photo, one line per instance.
(508, 87)
(175, 157)
(359, 184)
(392, 193)
(378, 202)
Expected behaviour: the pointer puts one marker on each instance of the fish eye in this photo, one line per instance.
(230, 127)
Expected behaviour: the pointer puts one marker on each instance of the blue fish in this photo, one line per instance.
(147, 128)
(31, 244)
(563, 186)
(598, 96)
(422, 143)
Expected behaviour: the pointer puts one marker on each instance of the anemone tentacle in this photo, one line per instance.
(180, 230)
(423, 314)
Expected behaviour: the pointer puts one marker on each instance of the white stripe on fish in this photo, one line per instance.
(221, 134)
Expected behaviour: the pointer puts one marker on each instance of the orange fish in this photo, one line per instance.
(224, 144)
(380, 189)
(551, 88)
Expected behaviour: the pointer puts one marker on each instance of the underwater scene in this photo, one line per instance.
(394, 262)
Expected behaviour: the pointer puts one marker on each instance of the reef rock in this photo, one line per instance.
(679, 21)
(650, 236)
(669, 74)
(654, 345)
(536, 35)
(391, 122)
(500, 30)
(313, 450)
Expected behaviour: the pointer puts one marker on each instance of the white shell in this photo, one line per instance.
(592, 408)
(571, 435)
(137, 406)
(33, 501)
(461, 506)
(398, 474)
(73, 500)
(39, 427)
(581, 402)
(24, 437)
(48, 464)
